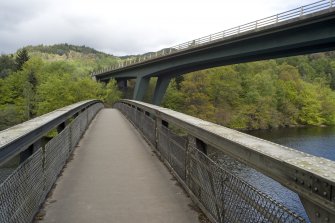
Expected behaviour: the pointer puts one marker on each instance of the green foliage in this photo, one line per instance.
(82, 59)
(61, 90)
(111, 93)
(268, 94)
(8, 116)
(7, 65)
(21, 57)
(259, 95)
(61, 49)
(43, 86)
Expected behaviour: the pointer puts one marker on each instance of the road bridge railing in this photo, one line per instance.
(31, 162)
(261, 24)
(184, 144)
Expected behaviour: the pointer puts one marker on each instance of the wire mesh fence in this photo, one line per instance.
(173, 149)
(57, 151)
(5, 172)
(149, 128)
(24, 190)
(75, 132)
(225, 197)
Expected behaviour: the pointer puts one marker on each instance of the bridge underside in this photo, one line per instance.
(309, 34)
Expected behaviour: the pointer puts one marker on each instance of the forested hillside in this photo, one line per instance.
(285, 92)
(293, 91)
(49, 78)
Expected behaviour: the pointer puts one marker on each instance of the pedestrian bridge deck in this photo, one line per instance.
(114, 176)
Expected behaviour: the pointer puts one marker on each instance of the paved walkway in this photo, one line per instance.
(115, 177)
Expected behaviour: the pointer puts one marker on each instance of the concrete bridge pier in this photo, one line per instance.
(122, 84)
(160, 89)
(142, 84)
(141, 87)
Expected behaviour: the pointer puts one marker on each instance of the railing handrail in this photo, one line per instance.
(311, 177)
(17, 138)
(223, 35)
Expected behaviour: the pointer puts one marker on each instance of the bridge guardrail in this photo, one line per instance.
(27, 186)
(223, 35)
(222, 196)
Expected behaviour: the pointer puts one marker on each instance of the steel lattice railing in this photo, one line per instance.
(226, 34)
(24, 190)
(226, 197)
(182, 142)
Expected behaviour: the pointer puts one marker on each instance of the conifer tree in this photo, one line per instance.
(21, 58)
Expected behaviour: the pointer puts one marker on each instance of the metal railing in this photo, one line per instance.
(182, 142)
(223, 35)
(27, 186)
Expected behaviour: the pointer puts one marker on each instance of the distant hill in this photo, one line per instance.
(85, 58)
(61, 49)
(148, 53)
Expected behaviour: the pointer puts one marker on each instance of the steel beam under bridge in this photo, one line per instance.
(307, 34)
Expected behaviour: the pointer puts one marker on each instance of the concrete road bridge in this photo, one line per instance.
(138, 162)
(307, 29)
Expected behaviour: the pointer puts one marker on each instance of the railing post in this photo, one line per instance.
(30, 150)
(158, 126)
(61, 126)
(190, 142)
(70, 138)
(315, 213)
(277, 18)
(301, 10)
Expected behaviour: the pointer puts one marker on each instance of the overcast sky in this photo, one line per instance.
(122, 27)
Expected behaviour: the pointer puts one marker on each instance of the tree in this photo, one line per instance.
(7, 65)
(21, 58)
(112, 93)
(174, 98)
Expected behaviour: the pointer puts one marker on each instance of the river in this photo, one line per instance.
(317, 141)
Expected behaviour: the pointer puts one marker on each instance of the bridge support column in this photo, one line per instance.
(122, 84)
(140, 88)
(161, 86)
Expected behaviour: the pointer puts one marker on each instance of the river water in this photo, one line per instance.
(317, 141)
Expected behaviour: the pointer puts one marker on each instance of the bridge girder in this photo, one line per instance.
(309, 34)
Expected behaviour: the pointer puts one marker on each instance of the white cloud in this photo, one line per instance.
(125, 26)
